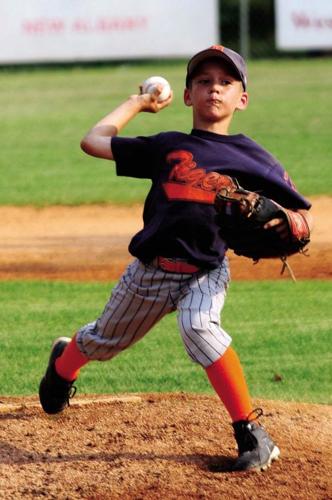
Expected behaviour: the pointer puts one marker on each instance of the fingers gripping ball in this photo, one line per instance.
(150, 84)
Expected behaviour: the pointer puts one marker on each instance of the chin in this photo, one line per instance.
(214, 117)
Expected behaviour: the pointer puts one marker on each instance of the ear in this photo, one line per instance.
(243, 101)
(187, 97)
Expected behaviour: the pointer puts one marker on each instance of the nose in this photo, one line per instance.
(215, 87)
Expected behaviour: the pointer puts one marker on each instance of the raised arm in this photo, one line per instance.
(98, 141)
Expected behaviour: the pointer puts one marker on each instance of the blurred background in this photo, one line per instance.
(38, 31)
(277, 28)
(64, 64)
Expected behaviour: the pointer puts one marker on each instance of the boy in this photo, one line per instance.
(180, 261)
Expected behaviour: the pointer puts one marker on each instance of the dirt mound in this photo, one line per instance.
(90, 243)
(151, 446)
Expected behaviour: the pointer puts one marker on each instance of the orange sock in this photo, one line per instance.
(227, 378)
(71, 360)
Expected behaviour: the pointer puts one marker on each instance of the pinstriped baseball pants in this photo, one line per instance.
(144, 294)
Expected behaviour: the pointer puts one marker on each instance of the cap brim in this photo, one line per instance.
(209, 54)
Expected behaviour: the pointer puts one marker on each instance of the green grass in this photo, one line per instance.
(278, 328)
(45, 113)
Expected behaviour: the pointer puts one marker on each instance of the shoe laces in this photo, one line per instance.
(255, 414)
(71, 393)
(244, 435)
(65, 389)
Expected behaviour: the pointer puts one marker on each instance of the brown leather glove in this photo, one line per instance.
(242, 215)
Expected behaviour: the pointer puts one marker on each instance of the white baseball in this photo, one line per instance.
(149, 86)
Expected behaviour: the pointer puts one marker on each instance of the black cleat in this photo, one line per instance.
(256, 448)
(55, 391)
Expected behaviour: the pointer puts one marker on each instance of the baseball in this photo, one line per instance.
(149, 86)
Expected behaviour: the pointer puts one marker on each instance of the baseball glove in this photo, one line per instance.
(242, 215)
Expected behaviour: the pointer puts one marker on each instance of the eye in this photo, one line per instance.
(204, 81)
(224, 83)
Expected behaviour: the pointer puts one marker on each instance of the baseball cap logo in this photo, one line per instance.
(218, 47)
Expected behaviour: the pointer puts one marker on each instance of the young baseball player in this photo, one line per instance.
(179, 257)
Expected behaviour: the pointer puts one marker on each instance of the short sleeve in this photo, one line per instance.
(134, 157)
(284, 191)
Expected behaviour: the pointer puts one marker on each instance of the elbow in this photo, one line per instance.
(89, 146)
(85, 145)
(99, 147)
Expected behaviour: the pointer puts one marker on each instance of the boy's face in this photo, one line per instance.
(215, 93)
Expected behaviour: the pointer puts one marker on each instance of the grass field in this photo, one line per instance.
(46, 112)
(283, 329)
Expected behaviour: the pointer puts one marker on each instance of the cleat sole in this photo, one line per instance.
(274, 456)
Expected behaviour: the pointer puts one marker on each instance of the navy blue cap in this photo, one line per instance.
(233, 58)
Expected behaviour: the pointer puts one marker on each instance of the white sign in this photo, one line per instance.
(303, 24)
(83, 30)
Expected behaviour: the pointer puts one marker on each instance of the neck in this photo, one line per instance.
(221, 128)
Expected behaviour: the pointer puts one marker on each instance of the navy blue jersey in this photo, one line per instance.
(186, 170)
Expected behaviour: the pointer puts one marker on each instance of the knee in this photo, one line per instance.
(205, 342)
(93, 345)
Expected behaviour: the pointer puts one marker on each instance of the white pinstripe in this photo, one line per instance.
(144, 295)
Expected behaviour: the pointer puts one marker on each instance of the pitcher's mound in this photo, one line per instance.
(157, 446)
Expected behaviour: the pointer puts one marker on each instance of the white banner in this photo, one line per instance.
(74, 30)
(303, 24)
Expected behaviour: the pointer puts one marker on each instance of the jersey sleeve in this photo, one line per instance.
(283, 189)
(134, 157)
(271, 179)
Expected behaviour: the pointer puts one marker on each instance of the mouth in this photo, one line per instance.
(214, 101)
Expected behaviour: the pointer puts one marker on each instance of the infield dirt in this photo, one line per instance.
(147, 446)
(89, 243)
